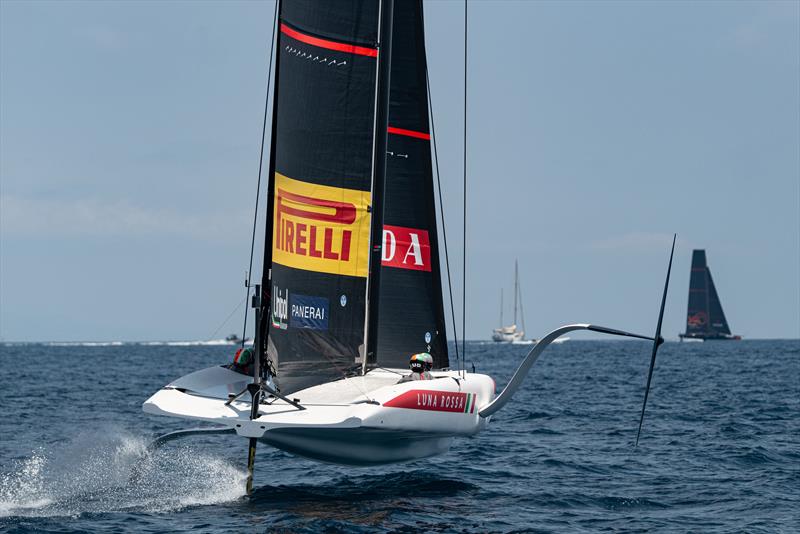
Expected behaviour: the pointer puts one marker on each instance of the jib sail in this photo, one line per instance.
(322, 152)
(704, 317)
(716, 315)
(411, 314)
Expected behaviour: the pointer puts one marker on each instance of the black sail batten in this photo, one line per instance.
(411, 309)
(704, 317)
(321, 164)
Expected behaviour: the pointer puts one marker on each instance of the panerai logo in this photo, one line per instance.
(308, 312)
(280, 308)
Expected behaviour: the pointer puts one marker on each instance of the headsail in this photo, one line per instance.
(319, 219)
(411, 310)
(716, 316)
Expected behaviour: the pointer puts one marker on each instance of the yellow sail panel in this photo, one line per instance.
(321, 228)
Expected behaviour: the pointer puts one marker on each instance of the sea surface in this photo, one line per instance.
(719, 452)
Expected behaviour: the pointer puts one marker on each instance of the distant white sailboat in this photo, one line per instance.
(510, 334)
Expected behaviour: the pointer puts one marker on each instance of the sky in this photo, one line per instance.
(129, 151)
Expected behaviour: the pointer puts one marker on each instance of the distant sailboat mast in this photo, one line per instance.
(501, 307)
(521, 308)
(516, 289)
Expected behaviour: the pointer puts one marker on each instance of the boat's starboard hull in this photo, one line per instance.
(366, 420)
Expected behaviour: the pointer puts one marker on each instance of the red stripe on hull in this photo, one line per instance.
(431, 400)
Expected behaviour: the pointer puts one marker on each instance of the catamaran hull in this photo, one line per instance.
(360, 421)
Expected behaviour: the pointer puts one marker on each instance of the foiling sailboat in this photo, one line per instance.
(704, 316)
(511, 334)
(351, 283)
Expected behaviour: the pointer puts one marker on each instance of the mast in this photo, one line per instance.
(708, 302)
(380, 132)
(516, 290)
(501, 307)
(521, 309)
(262, 332)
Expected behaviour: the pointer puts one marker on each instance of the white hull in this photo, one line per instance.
(365, 420)
(508, 334)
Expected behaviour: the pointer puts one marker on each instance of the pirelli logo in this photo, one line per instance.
(321, 228)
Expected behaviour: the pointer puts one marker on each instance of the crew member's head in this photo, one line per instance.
(243, 357)
(421, 362)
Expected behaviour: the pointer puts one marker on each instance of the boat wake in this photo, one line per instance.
(91, 475)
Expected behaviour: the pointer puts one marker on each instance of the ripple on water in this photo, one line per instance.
(719, 450)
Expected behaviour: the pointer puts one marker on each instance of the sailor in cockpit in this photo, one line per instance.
(421, 365)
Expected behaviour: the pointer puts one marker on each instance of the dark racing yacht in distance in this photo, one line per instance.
(704, 317)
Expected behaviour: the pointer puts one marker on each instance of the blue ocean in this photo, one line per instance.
(719, 452)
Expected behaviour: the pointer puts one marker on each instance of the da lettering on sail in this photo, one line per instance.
(321, 228)
(406, 248)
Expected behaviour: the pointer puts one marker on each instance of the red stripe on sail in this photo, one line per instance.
(409, 133)
(330, 45)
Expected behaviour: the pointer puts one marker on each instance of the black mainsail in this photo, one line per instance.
(350, 165)
(321, 169)
(704, 317)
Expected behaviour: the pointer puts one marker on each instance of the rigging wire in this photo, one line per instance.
(260, 167)
(521, 308)
(464, 259)
(228, 318)
(441, 211)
